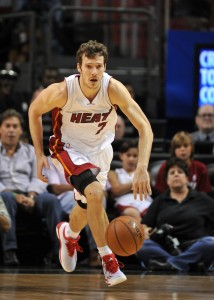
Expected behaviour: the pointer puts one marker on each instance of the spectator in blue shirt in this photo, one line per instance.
(20, 188)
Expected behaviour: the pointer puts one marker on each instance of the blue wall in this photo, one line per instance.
(181, 80)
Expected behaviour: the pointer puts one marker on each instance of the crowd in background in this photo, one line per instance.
(23, 196)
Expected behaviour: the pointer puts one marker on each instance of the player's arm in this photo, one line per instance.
(53, 96)
(120, 96)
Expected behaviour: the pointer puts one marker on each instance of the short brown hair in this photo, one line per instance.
(9, 113)
(175, 161)
(91, 49)
(179, 139)
(128, 145)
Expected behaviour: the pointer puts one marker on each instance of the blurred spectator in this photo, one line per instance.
(120, 128)
(50, 75)
(178, 225)
(124, 131)
(141, 101)
(20, 45)
(204, 121)
(42, 10)
(9, 98)
(8, 76)
(20, 188)
(120, 181)
(182, 146)
(130, 88)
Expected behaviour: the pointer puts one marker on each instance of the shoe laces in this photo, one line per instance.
(72, 245)
(111, 263)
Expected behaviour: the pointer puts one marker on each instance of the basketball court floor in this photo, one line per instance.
(89, 284)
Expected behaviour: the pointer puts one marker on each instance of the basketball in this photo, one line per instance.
(125, 235)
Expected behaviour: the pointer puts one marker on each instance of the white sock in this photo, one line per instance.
(71, 233)
(104, 251)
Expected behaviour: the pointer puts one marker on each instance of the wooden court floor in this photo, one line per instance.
(90, 285)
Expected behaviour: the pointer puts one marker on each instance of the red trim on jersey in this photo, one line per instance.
(57, 122)
(58, 152)
(66, 87)
(69, 167)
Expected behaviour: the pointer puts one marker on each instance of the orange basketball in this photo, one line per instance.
(125, 235)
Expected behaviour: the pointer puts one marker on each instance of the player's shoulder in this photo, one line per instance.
(117, 90)
(114, 83)
(56, 89)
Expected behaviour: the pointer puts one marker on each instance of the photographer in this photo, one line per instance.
(178, 226)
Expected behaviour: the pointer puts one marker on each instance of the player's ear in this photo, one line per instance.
(78, 67)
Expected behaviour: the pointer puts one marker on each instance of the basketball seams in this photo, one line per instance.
(129, 232)
(120, 234)
(115, 231)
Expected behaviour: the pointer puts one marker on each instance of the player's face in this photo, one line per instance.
(176, 178)
(129, 159)
(91, 72)
(10, 131)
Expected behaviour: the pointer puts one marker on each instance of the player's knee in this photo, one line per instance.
(94, 192)
(81, 181)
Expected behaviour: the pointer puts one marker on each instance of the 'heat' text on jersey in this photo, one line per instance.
(89, 117)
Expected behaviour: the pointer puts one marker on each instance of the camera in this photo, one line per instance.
(163, 236)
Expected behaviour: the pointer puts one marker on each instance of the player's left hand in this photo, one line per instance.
(141, 183)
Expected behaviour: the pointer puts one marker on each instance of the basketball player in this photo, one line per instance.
(84, 118)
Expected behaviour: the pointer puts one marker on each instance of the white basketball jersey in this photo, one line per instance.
(87, 127)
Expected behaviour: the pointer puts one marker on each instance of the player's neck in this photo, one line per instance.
(89, 93)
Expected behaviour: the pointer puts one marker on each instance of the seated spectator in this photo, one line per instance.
(5, 221)
(182, 146)
(20, 188)
(204, 121)
(20, 43)
(178, 225)
(50, 75)
(141, 101)
(130, 88)
(65, 193)
(120, 128)
(123, 132)
(120, 183)
(9, 97)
